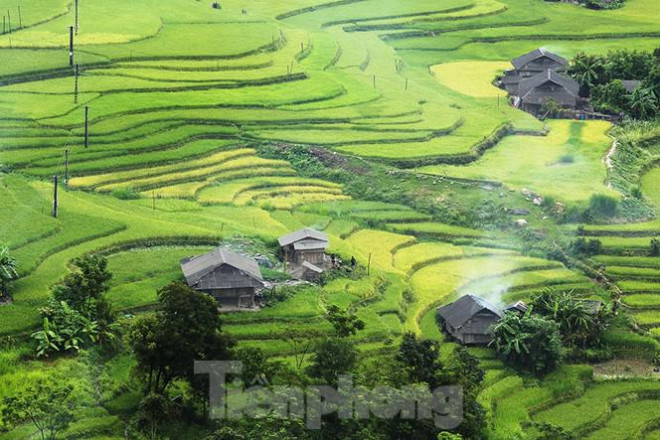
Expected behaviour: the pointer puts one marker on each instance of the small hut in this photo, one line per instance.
(232, 279)
(310, 272)
(469, 319)
(519, 308)
(305, 245)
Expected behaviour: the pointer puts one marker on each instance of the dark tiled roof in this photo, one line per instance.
(510, 77)
(523, 60)
(528, 85)
(519, 306)
(197, 267)
(630, 84)
(301, 235)
(462, 310)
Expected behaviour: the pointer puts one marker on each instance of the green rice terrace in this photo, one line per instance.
(377, 122)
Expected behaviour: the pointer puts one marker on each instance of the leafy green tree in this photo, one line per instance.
(582, 246)
(185, 327)
(643, 103)
(332, 358)
(65, 329)
(84, 290)
(577, 325)
(611, 97)
(257, 366)
(344, 322)
(8, 271)
(530, 342)
(154, 410)
(548, 431)
(420, 358)
(655, 248)
(449, 436)
(48, 407)
(465, 370)
(586, 70)
(266, 428)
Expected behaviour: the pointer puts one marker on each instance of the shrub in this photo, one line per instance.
(126, 194)
(655, 248)
(582, 246)
(603, 206)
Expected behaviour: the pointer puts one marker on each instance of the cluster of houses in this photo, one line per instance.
(538, 77)
(470, 318)
(234, 280)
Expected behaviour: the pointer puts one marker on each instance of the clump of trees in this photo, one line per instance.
(529, 342)
(78, 313)
(45, 405)
(601, 76)
(8, 273)
(655, 248)
(554, 326)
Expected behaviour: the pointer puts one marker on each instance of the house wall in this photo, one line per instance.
(226, 276)
(476, 330)
(313, 256)
(236, 297)
(540, 95)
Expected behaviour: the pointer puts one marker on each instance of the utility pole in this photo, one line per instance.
(369, 265)
(75, 89)
(374, 80)
(55, 204)
(71, 46)
(406, 88)
(4, 24)
(86, 126)
(153, 198)
(76, 20)
(9, 20)
(20, 18)
(66, 169)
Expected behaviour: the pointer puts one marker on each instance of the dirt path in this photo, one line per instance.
(607, 160)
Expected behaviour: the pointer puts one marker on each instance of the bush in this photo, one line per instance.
(655, 248)
(126, 194)
(582, 246)
(602, 206)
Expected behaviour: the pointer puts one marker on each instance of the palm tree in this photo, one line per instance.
(643, 103)
(7, 270)
(586, 70)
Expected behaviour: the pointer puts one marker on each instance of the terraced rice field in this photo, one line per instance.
(183, 100)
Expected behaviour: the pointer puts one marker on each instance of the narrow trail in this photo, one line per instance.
(607, 160)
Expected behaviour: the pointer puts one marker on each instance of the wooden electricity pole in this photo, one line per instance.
(66, 169)
(369, 265)
(71, 46)
(86, 126)
(76, 19)
(20, 18)
(75, 87)
(55, 204)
